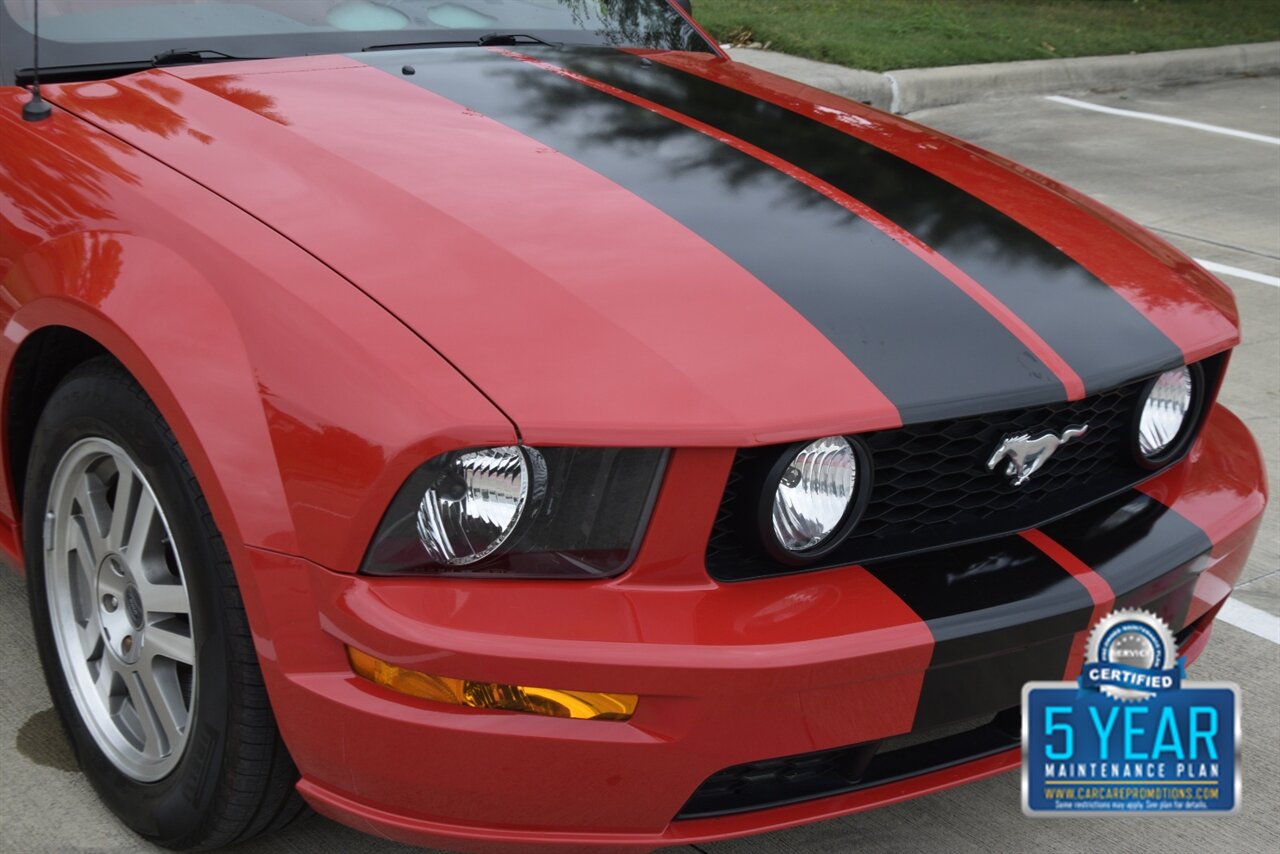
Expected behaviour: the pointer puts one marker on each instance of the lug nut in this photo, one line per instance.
(126, 644)
(109, 602)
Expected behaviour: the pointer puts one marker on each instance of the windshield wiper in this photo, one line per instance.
(491, 39)
(103, 70)
(191, 56)
(486, 40)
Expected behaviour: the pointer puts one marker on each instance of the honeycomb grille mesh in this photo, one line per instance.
(935, 474)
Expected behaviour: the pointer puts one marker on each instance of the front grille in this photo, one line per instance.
(931, 487)
(791, 779)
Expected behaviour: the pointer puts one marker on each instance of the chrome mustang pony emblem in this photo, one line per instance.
(1027, 455)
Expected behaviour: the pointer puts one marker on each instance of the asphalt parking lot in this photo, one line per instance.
(1214, 191)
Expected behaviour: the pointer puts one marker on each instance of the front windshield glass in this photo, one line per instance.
(101, 32)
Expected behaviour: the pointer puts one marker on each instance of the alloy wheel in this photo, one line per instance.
(120, 609)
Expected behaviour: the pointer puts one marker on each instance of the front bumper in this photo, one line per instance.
(727, 674)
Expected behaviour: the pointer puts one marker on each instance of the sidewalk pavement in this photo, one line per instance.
(907, 90)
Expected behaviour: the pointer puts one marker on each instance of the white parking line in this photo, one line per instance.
(1225, 270)
(1168, 120)
(1253, 620)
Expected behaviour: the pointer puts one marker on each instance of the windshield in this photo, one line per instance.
(77, 33)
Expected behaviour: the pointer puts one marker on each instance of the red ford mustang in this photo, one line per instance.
(514, 424)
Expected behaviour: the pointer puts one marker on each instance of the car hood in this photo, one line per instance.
(674, 248)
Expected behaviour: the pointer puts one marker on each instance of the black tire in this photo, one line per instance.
(235, 779)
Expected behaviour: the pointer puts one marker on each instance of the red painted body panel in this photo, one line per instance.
(110, 242)
(726, 674)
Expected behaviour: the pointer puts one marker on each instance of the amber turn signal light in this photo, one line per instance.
(581, 705)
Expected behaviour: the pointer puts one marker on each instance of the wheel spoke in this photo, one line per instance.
(83, 546)
(105, 681)
(153, 745)
(165, 701)
(162, 598)
(171, 645)
(90, 500)
(81, 573)
(126, 485)
(144, 519)
(90, 633)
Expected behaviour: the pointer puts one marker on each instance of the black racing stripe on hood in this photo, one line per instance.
(1001, 613)
(1149, 554)
(927, 346)
(1105, 339)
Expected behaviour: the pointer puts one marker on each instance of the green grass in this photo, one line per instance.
(884, 34)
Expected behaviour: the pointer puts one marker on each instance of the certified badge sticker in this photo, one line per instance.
(1130, 656)
(1131, 736)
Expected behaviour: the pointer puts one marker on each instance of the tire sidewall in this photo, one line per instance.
(105, 404)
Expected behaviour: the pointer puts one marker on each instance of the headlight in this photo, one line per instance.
(812, 495)
(476, 501)
(1167, 411)
(519, 512)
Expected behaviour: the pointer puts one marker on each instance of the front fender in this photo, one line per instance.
(301, 404)
(183, 345)
(298, 427)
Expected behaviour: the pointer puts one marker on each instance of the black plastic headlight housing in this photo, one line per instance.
(520, 512)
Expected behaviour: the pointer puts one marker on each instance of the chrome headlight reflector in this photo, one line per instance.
(1167, 411)
(519, 512)
(813, 496)
(476, 501)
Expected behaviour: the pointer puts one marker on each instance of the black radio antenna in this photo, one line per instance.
(36, 108)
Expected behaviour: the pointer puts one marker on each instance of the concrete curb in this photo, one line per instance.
(911, 89)
(870, 87)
